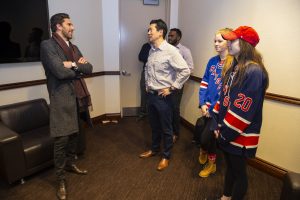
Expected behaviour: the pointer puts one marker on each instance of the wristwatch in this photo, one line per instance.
(74, 66)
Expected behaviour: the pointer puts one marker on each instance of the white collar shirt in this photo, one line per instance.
(165, 68)
(187, 55)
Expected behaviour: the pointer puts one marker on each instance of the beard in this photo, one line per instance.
(67, 35)
(173, 42)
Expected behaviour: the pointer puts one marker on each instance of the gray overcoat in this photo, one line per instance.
(63, 106)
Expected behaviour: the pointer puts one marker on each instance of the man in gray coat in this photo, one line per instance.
(64, 65)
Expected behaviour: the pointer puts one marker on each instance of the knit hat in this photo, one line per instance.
(245, 33)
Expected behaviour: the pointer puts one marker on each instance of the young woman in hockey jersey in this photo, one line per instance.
(209, 91)
(238, 113)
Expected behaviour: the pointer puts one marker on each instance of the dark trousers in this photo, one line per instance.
(64, 153)
(207, 138)
(177, 96)
(143, 108)
(160, 117)
(236, 181)
(84, 118)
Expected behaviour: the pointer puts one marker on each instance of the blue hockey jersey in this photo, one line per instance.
(211, 83)
(238, 113)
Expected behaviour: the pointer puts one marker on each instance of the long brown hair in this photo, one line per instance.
(248, 55)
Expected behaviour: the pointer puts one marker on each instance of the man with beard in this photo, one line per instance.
(174, 38)
(64, 65)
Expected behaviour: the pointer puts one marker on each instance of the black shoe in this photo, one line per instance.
(73, 168)
(61, 191)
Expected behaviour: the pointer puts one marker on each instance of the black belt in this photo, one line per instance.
(154, 92)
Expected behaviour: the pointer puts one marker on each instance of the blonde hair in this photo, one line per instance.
(227, 64)
(229, 58)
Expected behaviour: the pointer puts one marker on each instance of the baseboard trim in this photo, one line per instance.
(267, 167)
(108, 117)
(130, 111)
(187, 124)
(257, 163)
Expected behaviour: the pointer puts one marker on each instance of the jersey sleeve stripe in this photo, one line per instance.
(239, 117)
(235, 122)
(217, 107)
(203, 84)
(248, 142)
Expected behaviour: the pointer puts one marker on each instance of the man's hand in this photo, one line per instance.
(164, 92)
(68, 64)
(82, 60)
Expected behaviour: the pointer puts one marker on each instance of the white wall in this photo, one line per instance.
(93, 22)
(111, 46)
(277, 23)
(174, 6)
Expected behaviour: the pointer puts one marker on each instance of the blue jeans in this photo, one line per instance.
(160, 116)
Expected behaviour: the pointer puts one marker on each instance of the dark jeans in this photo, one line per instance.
(207, 138)
(64, 153)
(143, 108)
(236, 181)
(177, 96)
(160, 117)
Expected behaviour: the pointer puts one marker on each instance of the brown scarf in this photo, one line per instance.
(82, 94)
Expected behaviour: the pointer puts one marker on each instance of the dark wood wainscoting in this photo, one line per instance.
(16, 85)
(271, 96)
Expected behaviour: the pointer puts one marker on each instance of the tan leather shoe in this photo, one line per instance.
(62, 192)
(164, 163)
(147, 154)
